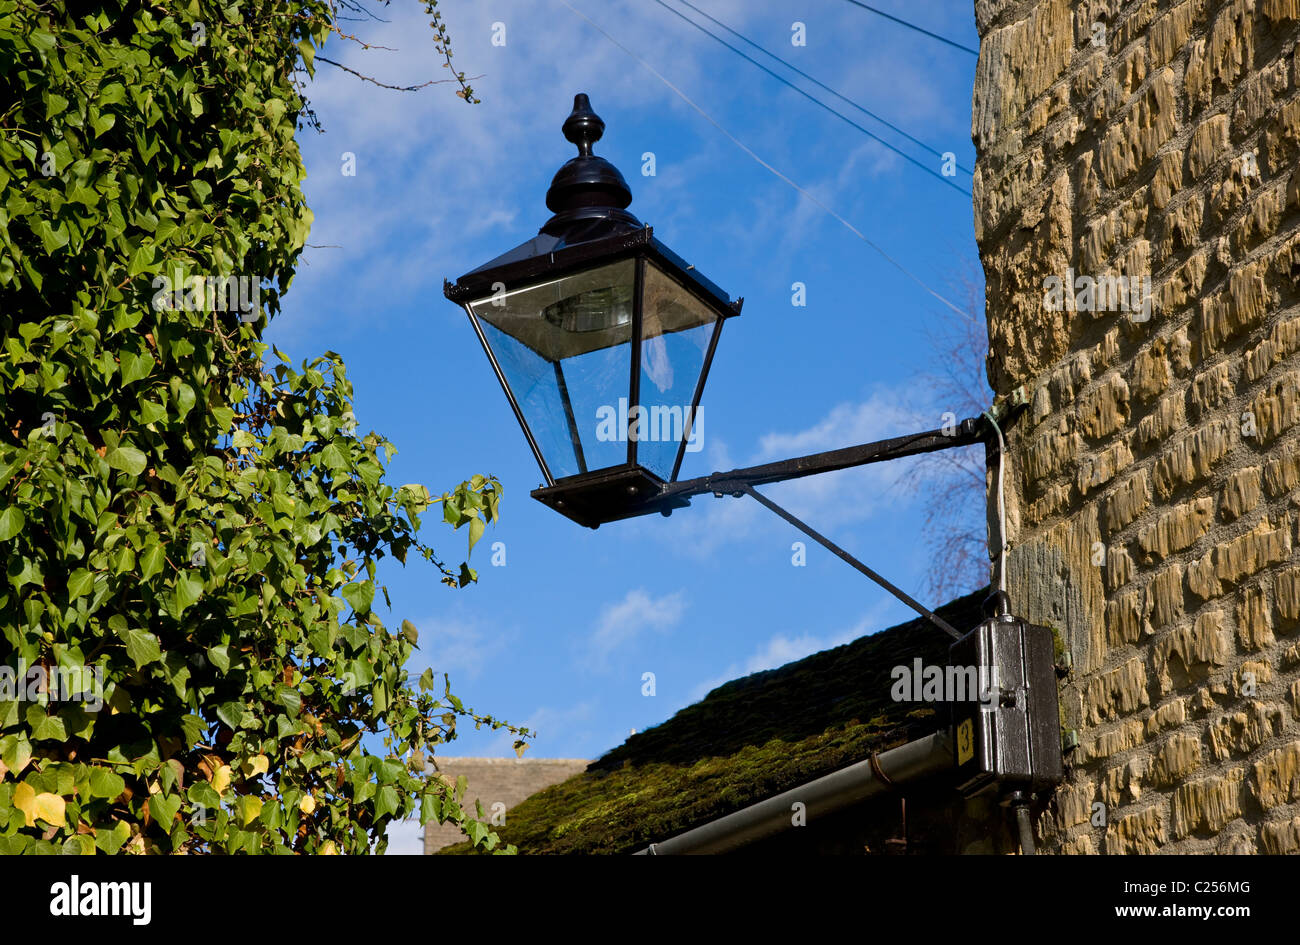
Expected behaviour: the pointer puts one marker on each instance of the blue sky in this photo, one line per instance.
(559, 638)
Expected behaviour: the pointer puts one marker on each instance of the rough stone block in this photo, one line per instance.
(1210, 389)
(1254, 622)
(1169, 415)
(1143, 832)
(1277, 408)
(1240, 493)
(1164, 597)
(1117, 692)
(1129, 500)
(1209, 144)
(1151, 371)
(1263, 545)
(1231, 310)
(1193, 456)
(1240, 733)
(1208, 805)
(1178, 528)
(1175, 759)
(1282, 472)
(1276, 776)
(1286, 595)
(1101, 468)
(1169, 715)
(1280, 837)
(1104, 409)
(1188, 654)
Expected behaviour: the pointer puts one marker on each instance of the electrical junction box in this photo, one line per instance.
(1009, 734)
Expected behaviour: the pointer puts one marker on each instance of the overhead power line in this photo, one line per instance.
(913, 26)
(822, 85)
(784, 81)
(748, 150)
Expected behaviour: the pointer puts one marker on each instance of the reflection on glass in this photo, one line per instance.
(676, 328)
(564, 348)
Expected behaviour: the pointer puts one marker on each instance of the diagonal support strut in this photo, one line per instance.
(744, 487)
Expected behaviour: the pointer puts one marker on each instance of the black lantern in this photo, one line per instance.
(601, 338)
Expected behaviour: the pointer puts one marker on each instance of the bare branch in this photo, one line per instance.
(952, 483)
(385, 85)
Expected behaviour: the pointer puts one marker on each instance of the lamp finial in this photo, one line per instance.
(583, 126)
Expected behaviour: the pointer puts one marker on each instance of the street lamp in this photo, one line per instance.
(601, 337)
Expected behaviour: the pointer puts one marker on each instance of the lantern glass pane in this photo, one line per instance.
(567, 317)
(564, 347)
(536, 388)
(676, 328)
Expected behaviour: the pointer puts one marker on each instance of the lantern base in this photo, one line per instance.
(608, 495)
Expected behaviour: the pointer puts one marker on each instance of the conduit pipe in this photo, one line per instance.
(858, 782)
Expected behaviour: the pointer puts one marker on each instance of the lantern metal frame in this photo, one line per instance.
(591, 229)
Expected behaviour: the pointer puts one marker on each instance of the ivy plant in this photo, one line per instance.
(190, 650)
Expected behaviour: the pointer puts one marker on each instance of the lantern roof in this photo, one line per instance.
(590, 224)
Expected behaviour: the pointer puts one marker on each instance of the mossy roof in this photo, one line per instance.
(746, 740)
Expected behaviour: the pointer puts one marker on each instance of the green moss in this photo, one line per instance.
(1058, 654)
(1058, 645)
(748, 739)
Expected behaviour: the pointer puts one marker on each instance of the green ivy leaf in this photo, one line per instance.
(80, 582)
(143, 648)
(126, 458)
(189, 589)
(151, 561)
(105, 783)
(360, 596)
(220, 657)
(11, 523)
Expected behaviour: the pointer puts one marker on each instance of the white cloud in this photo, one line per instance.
(881, 415)
(568, 725)
(787, 648)
(459, 647)
(433, 173)
(405, 838)
(620, 624)
(850, 495)
(825, 500)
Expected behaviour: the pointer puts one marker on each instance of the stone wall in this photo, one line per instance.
(497, 781)
(1152, 480)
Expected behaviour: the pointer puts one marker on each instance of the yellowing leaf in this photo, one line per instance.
(327, 849)
(52, 809)
(258, 764)
(25, 800)
(221, 779)
(251, 808)
(307, 804)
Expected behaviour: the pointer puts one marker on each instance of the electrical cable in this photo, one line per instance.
(744, 147)
(822, 85)
(816, 101)
(1002, 508)
(913, 26)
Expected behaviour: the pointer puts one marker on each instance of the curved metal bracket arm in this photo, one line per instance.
(966, 433)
